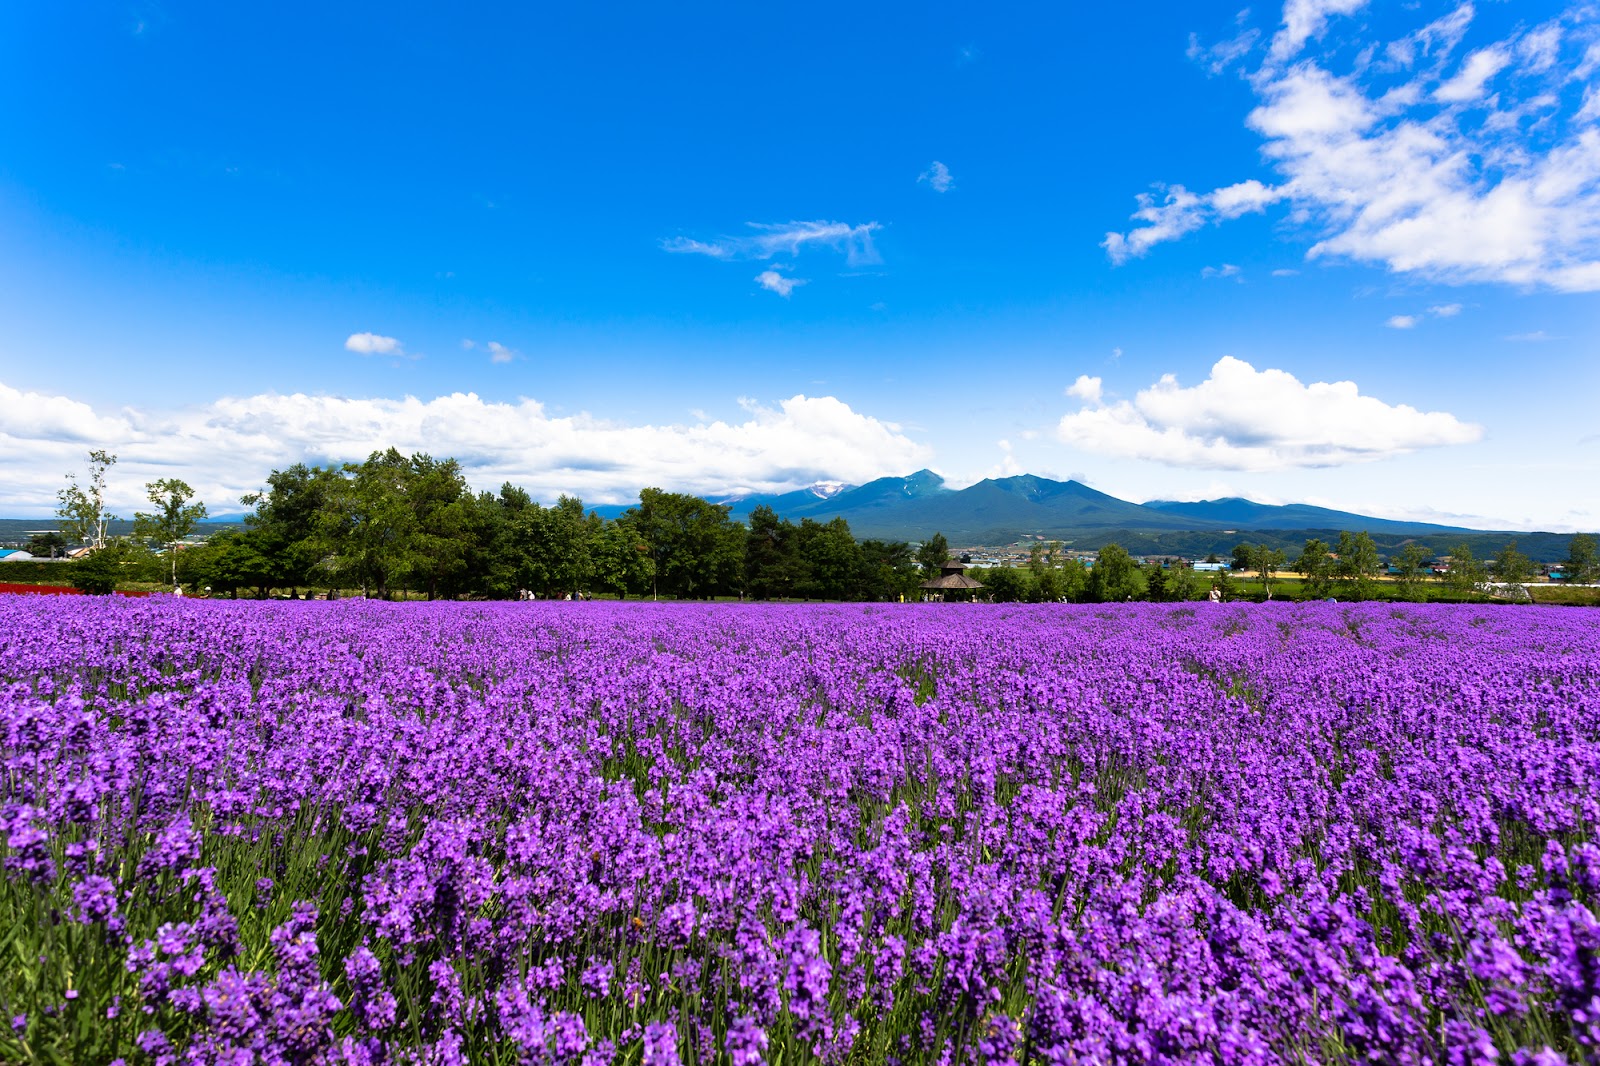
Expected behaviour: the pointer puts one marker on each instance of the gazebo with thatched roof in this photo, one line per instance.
(952, 578)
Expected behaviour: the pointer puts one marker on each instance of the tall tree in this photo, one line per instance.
(1114, 575)
(1512, 567)
(82, 507)
(831, 558)
(1409, 565)
(695, 549)
(887, 570)
(289, 526)
(1358, 564)
(173, 519)
(931, 555)
(773, 567)
(1316, 567)
(1583, 559)
(1465, 573)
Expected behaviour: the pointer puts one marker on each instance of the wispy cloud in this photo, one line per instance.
(1483, 167)
(1403, 321)
(1445, 310)
(767, 240)
(1226, 270)
(773, 281)
(1241, 418)
(373, 344)
(938, 177)
(1536, 337)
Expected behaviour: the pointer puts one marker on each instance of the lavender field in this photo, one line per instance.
(551, 832)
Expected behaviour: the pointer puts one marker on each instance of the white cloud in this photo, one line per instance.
(1180, 212)
(786, 238)
(773, 281)
(227, 448)
(373, 344)
(1537, 336)
(1445, 310)
(938, 177)
(1285, 272)
(1475, 73)
(1085, 388)
(1485, 169)
(1306, 19)
(499, 353)
(1240, 418)
(1226, 270)
(1403, 321)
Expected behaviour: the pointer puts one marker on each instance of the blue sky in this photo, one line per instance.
(1335, 251)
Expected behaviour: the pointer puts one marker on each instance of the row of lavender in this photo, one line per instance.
(365, 833)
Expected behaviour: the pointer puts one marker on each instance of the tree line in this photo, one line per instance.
(398, 524)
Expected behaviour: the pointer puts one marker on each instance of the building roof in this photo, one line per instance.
(956, 580)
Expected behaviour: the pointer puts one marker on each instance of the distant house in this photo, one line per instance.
(1207, 567)
(79, 553)
(14, 555)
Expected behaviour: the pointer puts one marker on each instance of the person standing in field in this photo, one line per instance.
(1216, 595)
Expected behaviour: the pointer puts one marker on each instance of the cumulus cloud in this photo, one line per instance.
(938, 177)
(373, 344)
(1403, 321)
(1241, 418)
(1085, 388)
(227, 448)
(1459, 167)
(773, 281)
(767, 240)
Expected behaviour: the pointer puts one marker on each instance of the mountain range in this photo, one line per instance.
(1002, 510)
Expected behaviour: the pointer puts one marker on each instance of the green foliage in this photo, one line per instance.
(81, 507)
(1511, 566)
(98, 572)
(1583, 559)
(1410, 564)
(47, 545)
(1316, 566)
(931, 555)
(695, 550)
(1465, 574)
(1114, 576)
(1358, 565)
(173, 519)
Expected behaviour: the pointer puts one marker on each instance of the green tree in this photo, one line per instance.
(1410, 565)
(1466, 573)
(1358, 565)
(47, 545)
(1113, 577)
(98, 573)
(82, 507)
(773, 567)
(831, 558)
(1513, 568)
(621, 560)
(441, 505)
(1155, 583)
(931, 555)
(1265, 561)
(1583, 559)
(1316, 566)
(887, 570)
(371, 525)
(695, 550)
(1005, 584)
(290, 526)
(173, 519)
